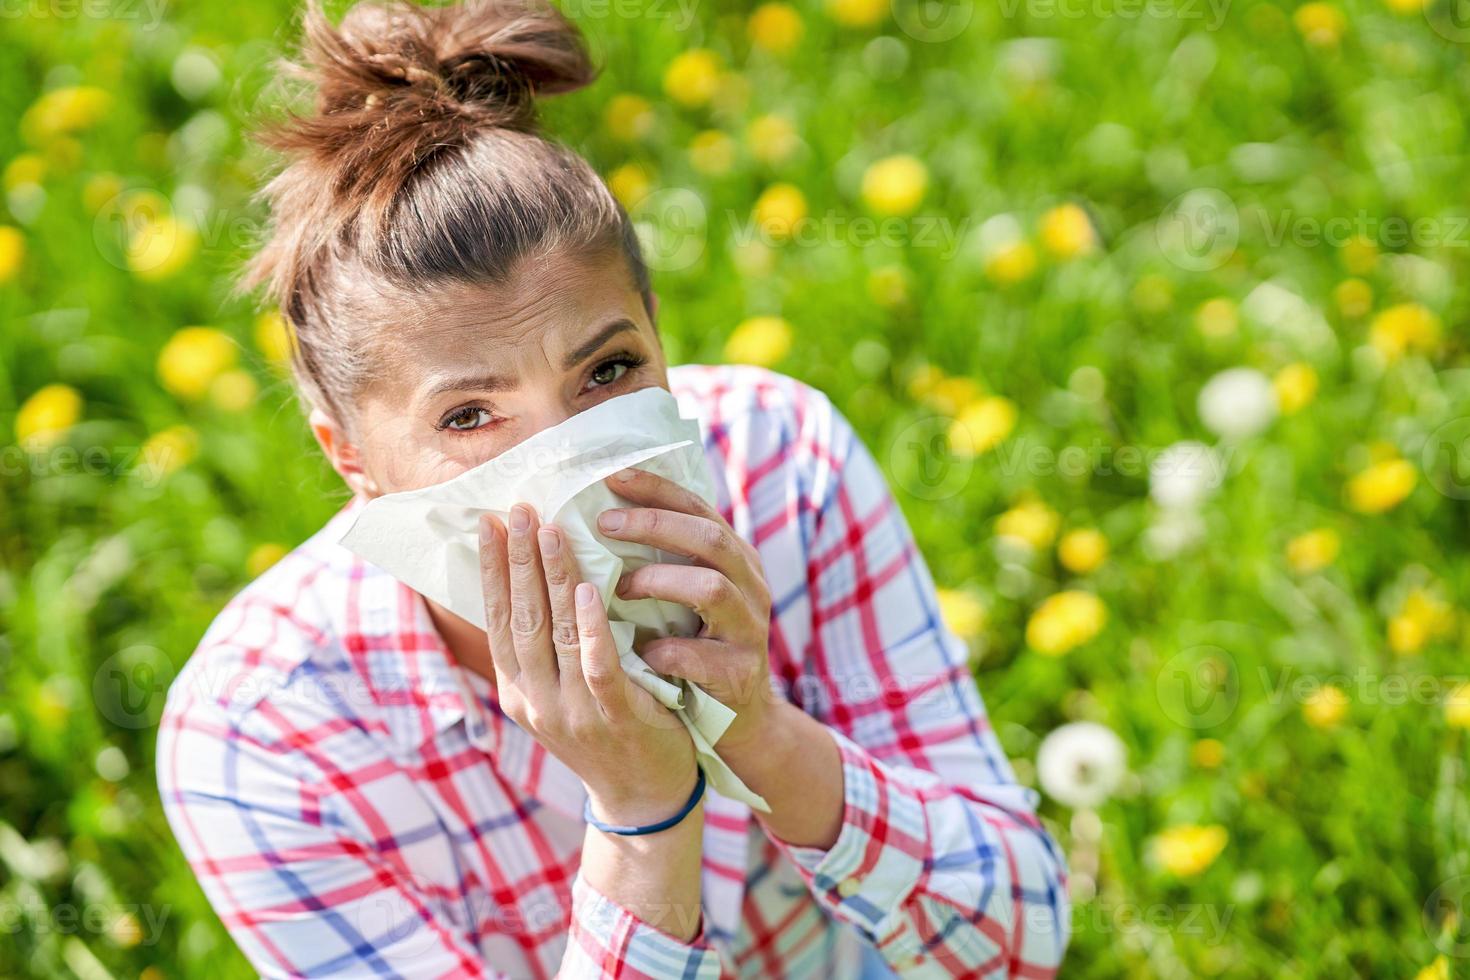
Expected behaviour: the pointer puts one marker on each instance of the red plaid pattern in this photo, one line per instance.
(353, 802)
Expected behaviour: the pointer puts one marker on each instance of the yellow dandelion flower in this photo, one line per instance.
(1313, 551)
(895, 186)
(1440, 968)
(1296, 386)
(923, 380)
(12, 252)
(1325, 707)
(1217, 317)
(951, 395)
(1066, 232)
(888, 286)
(772, 138)
(693, 77)
(962, 612)
(27, 168)
(100, 190)
(46, 416)
(630, 183)
(158, 244)
(1031, 521)
(1320, 24)
(233, 391)
(628, 117)
(1382, 486)
(1457, 706)
(191, 360)
(1188, 849)
(1207, 753)
(779, 210)
(1422, 617)
(273, 336)
(262, 557)
(65, 110)
(1083, 550)
(775, 27)
(125, 931)
(761, 340)
(1011, 263)
(167, 451)
(857, 13)
(982, 425)
(1360, 255)
(1354, 298)
(1064, 622)
(1407, 326)
(712, 153)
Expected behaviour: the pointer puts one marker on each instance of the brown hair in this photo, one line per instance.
(421, 165)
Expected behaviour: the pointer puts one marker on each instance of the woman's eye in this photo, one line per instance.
(467, 419)
(606, 374)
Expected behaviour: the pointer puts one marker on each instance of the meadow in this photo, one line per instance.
(1152, 310)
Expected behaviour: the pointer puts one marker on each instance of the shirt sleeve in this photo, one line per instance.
(609, 941)
(299, 894)
(303, 895)
(940, 862)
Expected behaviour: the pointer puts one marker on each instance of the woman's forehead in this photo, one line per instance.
(551, 305)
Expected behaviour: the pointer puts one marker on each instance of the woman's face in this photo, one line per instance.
(473, 370)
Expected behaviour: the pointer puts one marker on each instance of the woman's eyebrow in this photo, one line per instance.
(589, 346)
(482, 382)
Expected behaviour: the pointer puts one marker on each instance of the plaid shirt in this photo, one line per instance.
(353, 801)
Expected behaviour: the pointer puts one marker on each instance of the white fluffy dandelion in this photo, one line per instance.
(1080, 764)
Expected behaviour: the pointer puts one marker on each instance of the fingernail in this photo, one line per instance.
(610, 520)
(520, 518)
(586, 593)
(622, 585)
(623, 476)
(549, 540)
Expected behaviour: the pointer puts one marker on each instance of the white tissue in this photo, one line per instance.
(428, 538)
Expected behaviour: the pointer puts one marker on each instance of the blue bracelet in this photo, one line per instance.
(653, 828)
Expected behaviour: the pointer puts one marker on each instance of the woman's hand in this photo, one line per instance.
(558, 676)
(725, 586)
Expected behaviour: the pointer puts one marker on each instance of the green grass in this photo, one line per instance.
(1347, 846)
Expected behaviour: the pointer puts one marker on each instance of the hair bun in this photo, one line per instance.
(487, 58)
(398, 84)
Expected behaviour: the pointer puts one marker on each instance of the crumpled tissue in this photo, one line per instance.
(428, 538)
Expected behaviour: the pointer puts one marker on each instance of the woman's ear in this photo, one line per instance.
(341, 453)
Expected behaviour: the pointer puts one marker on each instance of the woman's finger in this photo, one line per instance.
(561, 582)
(714, 597)
(651, 490)
(529, 616)
(495, 583)
(601, 670)
(705, 541)
(709, 663)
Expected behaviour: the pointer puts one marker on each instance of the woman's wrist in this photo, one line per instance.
(637, 802)
(797, 767)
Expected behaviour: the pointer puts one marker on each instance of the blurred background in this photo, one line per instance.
(1153, 311)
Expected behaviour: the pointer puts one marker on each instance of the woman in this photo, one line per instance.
(367, 784)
